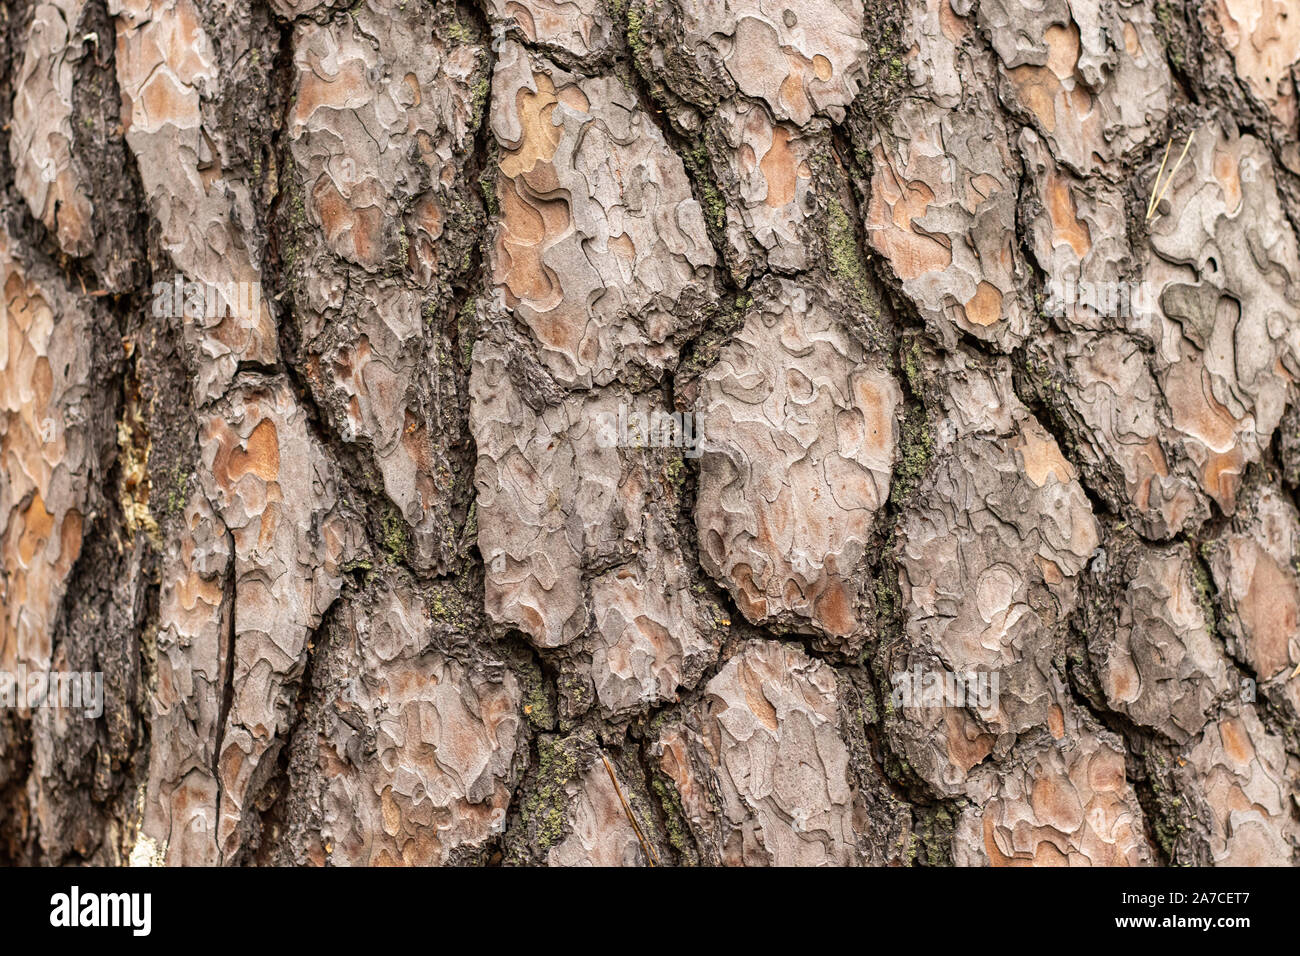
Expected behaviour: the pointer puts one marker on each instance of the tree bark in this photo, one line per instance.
(651, 431)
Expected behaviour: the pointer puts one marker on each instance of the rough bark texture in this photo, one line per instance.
(379, 567)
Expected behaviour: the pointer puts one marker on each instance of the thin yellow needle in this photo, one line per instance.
(1151, 203)
(1177, 166)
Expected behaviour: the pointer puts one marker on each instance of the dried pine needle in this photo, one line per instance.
(636, 827)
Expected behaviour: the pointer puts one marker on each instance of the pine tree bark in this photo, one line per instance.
(563, 433)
